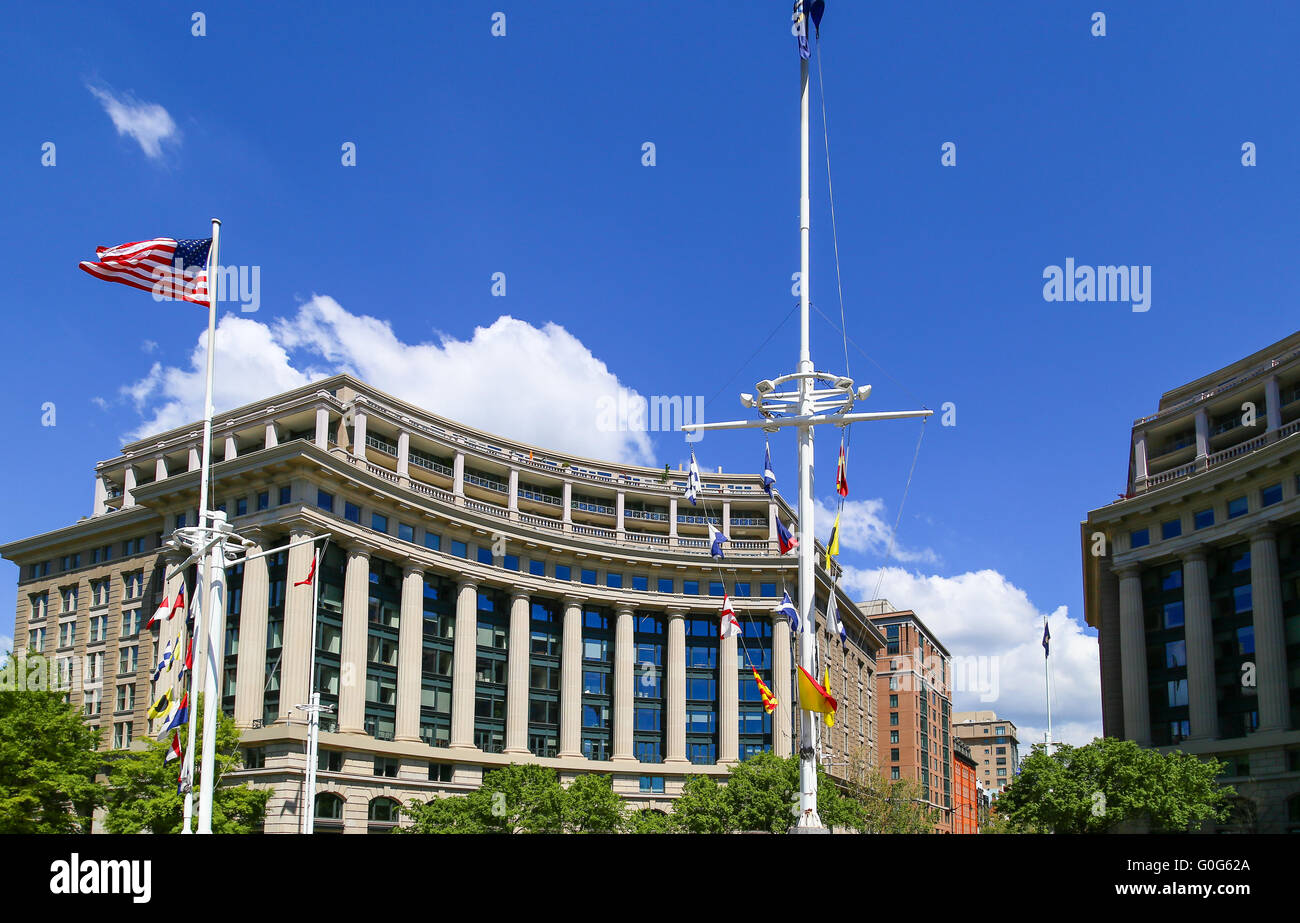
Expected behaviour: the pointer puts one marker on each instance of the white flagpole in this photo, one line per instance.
(1047, 667)
(199, 636)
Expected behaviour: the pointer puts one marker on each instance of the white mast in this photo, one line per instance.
(803, 408)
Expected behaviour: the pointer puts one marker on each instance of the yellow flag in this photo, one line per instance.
(830, 716)
(833, 546)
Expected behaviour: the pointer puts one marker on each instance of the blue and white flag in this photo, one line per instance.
(790, 611)
(693, 481)
(178, 716)
(716, 538)
(835, 624)
(164, 661)
(769, 478)
(1047, 637)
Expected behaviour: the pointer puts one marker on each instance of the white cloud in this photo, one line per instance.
(539, 385)
(149, 346)
(982, 614)
(99, 402)
(863, 528)
(148, 123)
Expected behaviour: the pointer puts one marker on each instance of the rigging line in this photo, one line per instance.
(899, 518)
(775, 331)
(859, 348)
(830, 193)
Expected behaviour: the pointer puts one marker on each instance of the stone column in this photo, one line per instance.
(1140, 459)
(193, 457)
(725, 524)
(624, 684)
(101, 496)
(517, 673)
(404, 454)
(464, 657)
(359, 433)
(672, 518)
(1202, 437)
(1270, 633)
(782, 743)
(458, 474)
(571, 679)
(160, 468)
(1202, 705)
(410, 654)
(231, 449)
(513, 494)
(771, 521)
(128, 487)
(1273, 399)
(356, 620)
(250, 665)
(295, 653)
(620, 503)
(1133, 656)
(322, 427)
(675, 693)
(272, 435)
(728, 702)
(566, 490)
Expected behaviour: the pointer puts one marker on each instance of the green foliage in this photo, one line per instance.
(142, 792)
(524, 798)
(592, 806)
(702, 807)
(648, 821)
(1093, 788)
(48, 764)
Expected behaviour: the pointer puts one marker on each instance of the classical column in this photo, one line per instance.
(724, 524)
(358, 433)
(403, 454)
(272, 435)
(1273, 402)
(410, 654)
(464, 656)
(1202, 437)
(250, 665)
(517, 673)
(571, 679)
(1202, 705)
(1270, 633)
(672, 517)
(624, 684)
(295, 651)
(675, 694)
(1133, 656)
(458, 474)
(728, 703)
(782, 723)
(128, 487)
(356, 621)
(566, 490)
(1140, 458)
(620, 503)
(322, 427)
(160, 468)
(193, 464)
(513, 493)
(231, 449)
(771, 521)
(101, 496)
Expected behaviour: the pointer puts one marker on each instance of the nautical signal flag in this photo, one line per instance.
(835, 624)
(693, 481)
(183, 781)
(1047, 637)
(833, 546)
(769, 477)
(179, 714)
(170, 268)
(716, 539)
(177, 603)
(842, 474)
(311, 574)
(769, 700)
(164, 660)
(814, 697)
(784, 540)
(730, 628)
(789, 611)
(800, 27)
(159, 708)
(167, 607)
(174, 751)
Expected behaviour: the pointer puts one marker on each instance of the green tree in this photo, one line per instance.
(760, 794)
(1093, 788)
(48, 760)
(649, 820)
(518, 798)
(592, 806)
(142, 793)
(702, 807)
(455, 814)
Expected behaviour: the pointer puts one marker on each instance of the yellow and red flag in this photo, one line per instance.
(814, 697)
(769, 700)
(842, 474)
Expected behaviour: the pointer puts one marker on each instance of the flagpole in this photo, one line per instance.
(313, 709)
(191, 720)
(1047, 668)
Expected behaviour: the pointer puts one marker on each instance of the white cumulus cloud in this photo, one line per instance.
(148, 123)
(864, 528)
(981, 614)
(537, 384)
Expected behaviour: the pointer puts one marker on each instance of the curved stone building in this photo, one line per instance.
(481, 602)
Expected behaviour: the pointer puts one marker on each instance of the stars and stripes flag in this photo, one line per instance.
(169, 268)
(769, 700)
(693, 481)
(730, 627)
(769, 476)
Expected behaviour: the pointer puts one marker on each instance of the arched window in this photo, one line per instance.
(383, 814)
(329, 807)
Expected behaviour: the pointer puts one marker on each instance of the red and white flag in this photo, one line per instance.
(164, 608)
(730, 628)
(178, 603)
(311, 574)
(170, 268)
(174, 751)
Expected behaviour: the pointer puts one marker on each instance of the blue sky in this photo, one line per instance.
(522, 154)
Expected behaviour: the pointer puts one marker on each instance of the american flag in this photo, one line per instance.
(176, 269)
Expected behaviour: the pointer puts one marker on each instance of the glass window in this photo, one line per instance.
(716, 588)
(640, 582)
(1176, 653)
(1177, 692)
(284, 495)
(563, 572)
(241, 506)
(613, 579)
(1172, 580)
(1171, 529)
(325, 501)
(352, 512)
(459, 549)
(665, 585)
(379, 523)
(537, 568)
(484, 555)
(741, 589)
(1270, 495)
(511, 562)
(1139, 537)
(691, 587)
(1203, 519)
(767, 589)
(1241, 598)
(589, 576)
(1237, 507)
(1173, 614)
(432, 540)
(263, 499)
(405, 533)
(1246, 639)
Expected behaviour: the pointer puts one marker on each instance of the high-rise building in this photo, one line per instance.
(481, 602)
(966, 804)
(993, 744)
(1192, 580)
(914, 701)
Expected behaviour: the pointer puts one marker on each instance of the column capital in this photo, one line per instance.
(411, 566)
(676, 612)
(1127, 570)
(1196, 553)
(356, 547)
(572, 599)
(467, 582)
(1262, 531)
(624, 605)
(520, 592)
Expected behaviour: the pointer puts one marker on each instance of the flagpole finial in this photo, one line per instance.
(216, 220)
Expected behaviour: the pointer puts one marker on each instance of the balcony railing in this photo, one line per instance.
(430, 463)
(486, 483)
(648, 515)
(376, 443)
